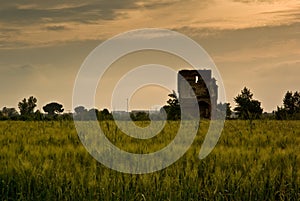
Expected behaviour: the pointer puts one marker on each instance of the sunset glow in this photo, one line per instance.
(253, 43)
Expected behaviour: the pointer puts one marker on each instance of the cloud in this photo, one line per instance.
(154, 4)
(259, 1)
(37, 12)
(50, 22)
(25, 68)
(265, 58)
(4, 44)
(148, 34)
(43, 43)
(6, 34)
(56, 28)
(293, 12)
(220, 41)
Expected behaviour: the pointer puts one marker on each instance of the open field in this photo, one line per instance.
(46, 161)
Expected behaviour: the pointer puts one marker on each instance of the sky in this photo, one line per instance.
(254, 43)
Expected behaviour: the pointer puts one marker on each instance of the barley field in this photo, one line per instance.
(46, 161)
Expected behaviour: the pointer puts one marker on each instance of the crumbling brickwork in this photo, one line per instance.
(203, 86)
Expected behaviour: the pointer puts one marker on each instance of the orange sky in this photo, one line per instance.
(43, 44)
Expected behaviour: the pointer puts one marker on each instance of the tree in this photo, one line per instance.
(81, 113)
(9, 113)
(105, 112)
(291, 102)
(291, 106)
(104, 115)
(228, 110)
(80, 110)
(224, 107)
(288, 103)
(93, 114)
(281, 113)
(27, 106)
(173, 107)
(38, 115)
(247, 108)
(139, 116)
(53, 108)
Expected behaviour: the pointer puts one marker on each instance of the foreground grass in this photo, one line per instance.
(46, 161)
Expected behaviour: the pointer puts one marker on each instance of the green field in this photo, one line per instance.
(46, 161)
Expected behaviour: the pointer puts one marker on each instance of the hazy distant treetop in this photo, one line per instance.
(80, 109)
(9, 112)
(225, 108)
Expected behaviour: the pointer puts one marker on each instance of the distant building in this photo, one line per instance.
(204, 87)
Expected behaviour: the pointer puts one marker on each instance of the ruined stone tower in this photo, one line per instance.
(206, 94)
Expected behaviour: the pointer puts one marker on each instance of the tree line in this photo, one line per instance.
(246, 108)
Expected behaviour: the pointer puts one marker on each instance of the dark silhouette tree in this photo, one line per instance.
(281, 113)
(38, 115)
(105, 111)
(291, 102)
(228, 110)
(247, 108)
(291, 106)
(53, 108)
(105, 115)
(27, 106)
(173, 107)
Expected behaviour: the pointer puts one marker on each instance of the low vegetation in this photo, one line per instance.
(44, 160)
